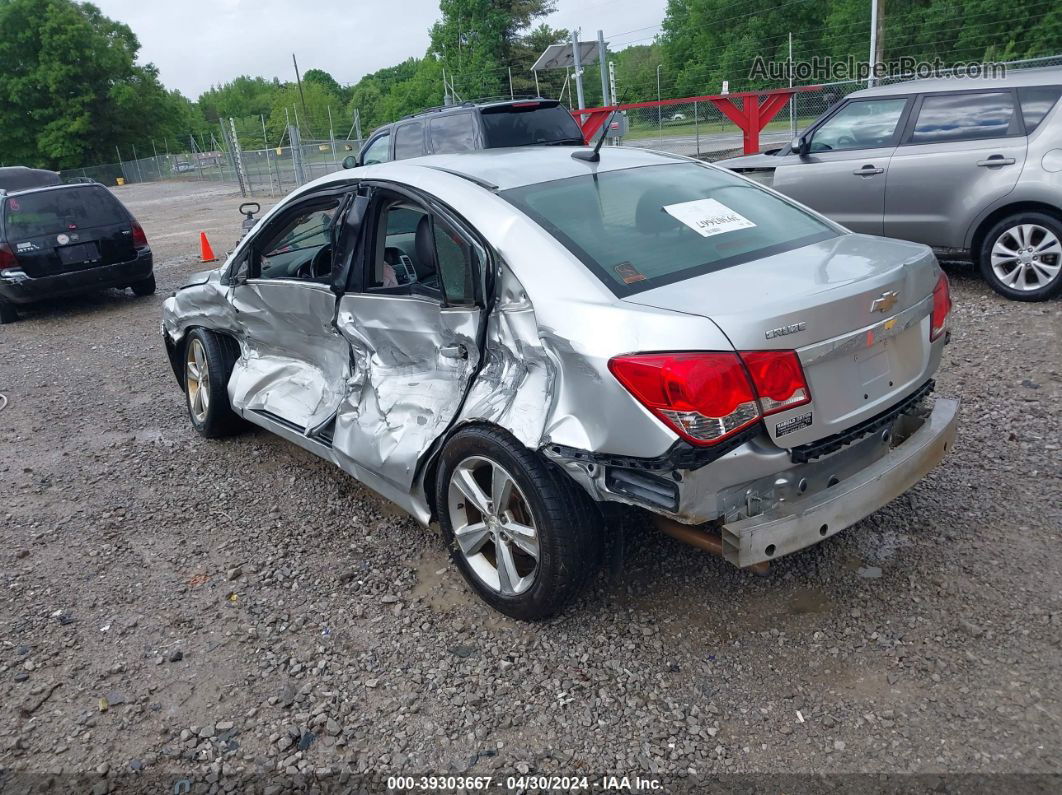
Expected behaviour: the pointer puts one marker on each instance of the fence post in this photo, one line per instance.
(697, 127)
(237, 159)
(296, 153)
(332, 136)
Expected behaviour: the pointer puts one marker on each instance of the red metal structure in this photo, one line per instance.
(756, 110)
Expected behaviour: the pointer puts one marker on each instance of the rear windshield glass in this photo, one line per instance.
(512, 125)
(641, 228)
(50, 212)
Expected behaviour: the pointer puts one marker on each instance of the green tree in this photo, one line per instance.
(70, 88)
(310, 108)
(479, 41)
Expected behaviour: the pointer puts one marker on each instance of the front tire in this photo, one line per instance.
(523, 536)
(208, 361)
(1021, 257)
(145, 287)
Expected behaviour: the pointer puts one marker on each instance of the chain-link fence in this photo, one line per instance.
(696, 129)
(699, 129)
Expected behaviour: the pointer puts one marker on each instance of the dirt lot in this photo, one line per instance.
(235, 612)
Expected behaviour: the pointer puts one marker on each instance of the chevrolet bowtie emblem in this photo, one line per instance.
(885, 301)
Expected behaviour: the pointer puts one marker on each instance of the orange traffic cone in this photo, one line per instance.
(206, 253)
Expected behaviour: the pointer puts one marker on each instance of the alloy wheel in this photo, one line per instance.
(1027, 257)
(493, 527)
(197, 380)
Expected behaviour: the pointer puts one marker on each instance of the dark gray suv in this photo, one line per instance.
(471, 126)
(964, 165)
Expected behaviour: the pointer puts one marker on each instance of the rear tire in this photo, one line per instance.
(1021, 257)
(8, 313)
(534, 540)
(145, 287)
(207, 363)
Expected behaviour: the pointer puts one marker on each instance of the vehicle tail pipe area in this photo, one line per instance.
(700, 539)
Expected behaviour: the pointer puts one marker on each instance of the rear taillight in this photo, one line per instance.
(708, 397)
(938, 321)
(778, 378)
(7, 257)
(704, 397)
(139, 238)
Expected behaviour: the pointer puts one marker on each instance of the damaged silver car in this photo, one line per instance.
(506, 341)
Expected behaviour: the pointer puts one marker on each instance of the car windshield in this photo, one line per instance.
(527, 124)
(50, 212)
(644, 227)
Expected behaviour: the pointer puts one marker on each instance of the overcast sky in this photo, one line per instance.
(198, 43)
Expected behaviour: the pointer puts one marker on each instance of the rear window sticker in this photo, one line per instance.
(708, 217)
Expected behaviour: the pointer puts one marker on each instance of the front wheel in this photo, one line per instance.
(208, 361)
(523, 536)
(1021, 257)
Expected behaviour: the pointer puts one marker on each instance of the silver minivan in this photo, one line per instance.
(966, 165)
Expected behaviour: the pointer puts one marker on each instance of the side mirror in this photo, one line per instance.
(799, 146)
(350, 161)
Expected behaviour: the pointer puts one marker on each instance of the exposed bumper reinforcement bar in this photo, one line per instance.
(804, 522)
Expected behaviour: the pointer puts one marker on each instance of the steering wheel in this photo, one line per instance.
(320, 265)
(846, 140)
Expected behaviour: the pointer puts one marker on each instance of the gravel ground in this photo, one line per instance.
(241, 614)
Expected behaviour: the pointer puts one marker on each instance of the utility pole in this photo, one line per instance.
(578, 63)
(792, 97)
(659, 116)
(298, 80)
(602, 60)
(877, 17)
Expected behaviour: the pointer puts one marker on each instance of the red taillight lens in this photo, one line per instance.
(704, 397)
(139, 238)
(7, 257)
(778, 378)
(941, 307)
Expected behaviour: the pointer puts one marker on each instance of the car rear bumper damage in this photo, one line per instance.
(794, 525)
(22, 289)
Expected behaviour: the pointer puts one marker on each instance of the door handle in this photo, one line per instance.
(996, 160)
(868, 171)
(454, 352)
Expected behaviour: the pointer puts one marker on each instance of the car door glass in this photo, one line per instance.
(409, 140)
(299, 247)
(964, 117)
(862, 124)
(1036, 101)
(454, 133)
(454, 258)
(396, 263)
(377, 151)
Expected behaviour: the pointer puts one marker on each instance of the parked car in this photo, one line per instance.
(966, 165)
(506, 341)
(60, 239)
(470, 126)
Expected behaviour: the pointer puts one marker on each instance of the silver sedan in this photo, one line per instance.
(505, 341)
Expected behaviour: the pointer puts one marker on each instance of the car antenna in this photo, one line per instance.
(593, 157)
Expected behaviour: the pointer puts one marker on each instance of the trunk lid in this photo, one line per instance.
(69, 228)
(855, 308)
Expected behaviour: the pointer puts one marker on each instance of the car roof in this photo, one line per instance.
(17, 178)
(1050, 75)
(515, 167)
(480, 104)
(61, 186)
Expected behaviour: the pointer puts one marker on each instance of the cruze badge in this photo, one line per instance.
(792, 328)
(885, 301)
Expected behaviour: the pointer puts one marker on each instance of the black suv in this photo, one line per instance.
(470, 126)
(60, 239)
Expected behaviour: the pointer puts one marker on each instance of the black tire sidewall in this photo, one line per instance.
(8, 313)
(985, 256)
(568, 525)
(145, 287)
